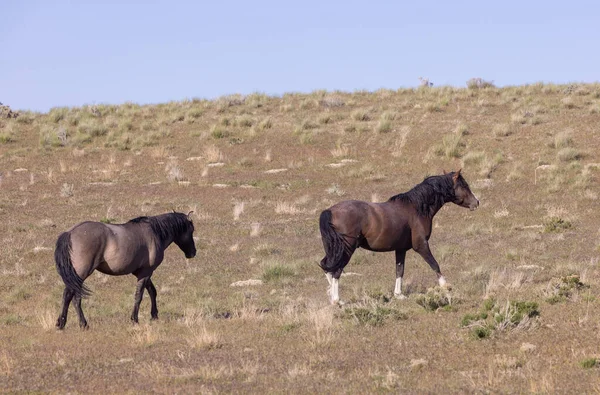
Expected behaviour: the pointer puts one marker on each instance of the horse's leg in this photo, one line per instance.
(152, 292)
(82, 321)
(62, 318)
(400, 255)
(139, 293)
(422, 248)
(335, 277)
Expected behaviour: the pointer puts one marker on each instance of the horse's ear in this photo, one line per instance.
(189, 215)
(443, 171)
(456, 175)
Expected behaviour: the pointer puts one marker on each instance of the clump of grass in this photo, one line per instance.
(218, 132)
(92, 128)
(556, 224)
(561, 289)
(230, 101)
(306, 124)
(590, 363)
(244, 122)
(265, 124)
(336, 190)
(57, 114)
(495, 317)
(473, 158)
(568, 103)
(383, 127)
(569, 154)
(502, 130)
(174, 172)
(433, 107)
(481, 332)
(52, 137)
(361, 115)
(385, 123)
(194, 113)
(486, 164)
(434, 299)
(450, 147)
(351, 128)
(325, 119)
(66, 190)
(257, 100)
(26, 118)
(515, 314)
(7, 133)
(6, 137)
(201, 338)
(479, 83)
(276, 271)
(373, 316)
(331, 101)
(389, 115)
(563, 139)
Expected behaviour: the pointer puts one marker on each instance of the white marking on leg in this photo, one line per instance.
(398, 287)
(442, 281)
(328, 277)
(335, 295)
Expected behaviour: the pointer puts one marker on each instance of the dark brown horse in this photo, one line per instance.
(401, 223)
(136, 247)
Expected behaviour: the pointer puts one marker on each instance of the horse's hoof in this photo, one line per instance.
(154, 317)
(400, 296)
(84, 326)
(60, 324)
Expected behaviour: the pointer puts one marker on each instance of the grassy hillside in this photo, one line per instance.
(522, 314)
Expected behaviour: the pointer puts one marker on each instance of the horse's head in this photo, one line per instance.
(462, 193)
(185, 240)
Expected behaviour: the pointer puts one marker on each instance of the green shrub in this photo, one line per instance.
(481, 332)
(590, 363)
(556, 224)
(434, 299)
(277, 271)
(373, 316)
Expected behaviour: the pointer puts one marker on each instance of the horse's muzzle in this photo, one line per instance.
(190, 255)
(474, 205)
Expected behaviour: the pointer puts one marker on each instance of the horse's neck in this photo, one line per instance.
(164, 244)
(436, 207)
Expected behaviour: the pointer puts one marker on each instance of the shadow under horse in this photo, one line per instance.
(136, 247)
(401, 223)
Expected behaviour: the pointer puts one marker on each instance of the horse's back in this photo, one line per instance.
(351, 216)
(384, 226)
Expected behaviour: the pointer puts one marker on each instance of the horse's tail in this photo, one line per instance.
(64, 266)
(333, 243)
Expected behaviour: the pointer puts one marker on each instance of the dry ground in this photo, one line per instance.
(257, 171)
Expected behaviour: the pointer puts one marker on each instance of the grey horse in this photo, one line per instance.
(136, 247)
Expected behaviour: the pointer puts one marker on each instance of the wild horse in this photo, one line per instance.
(401, 223)
(136, 247)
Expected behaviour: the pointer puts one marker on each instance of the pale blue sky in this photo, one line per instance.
(70, 53)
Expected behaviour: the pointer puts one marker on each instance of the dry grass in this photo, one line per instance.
(201, 338)
(256, 188)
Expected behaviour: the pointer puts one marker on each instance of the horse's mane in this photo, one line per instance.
(430, 195)
(166, 225)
